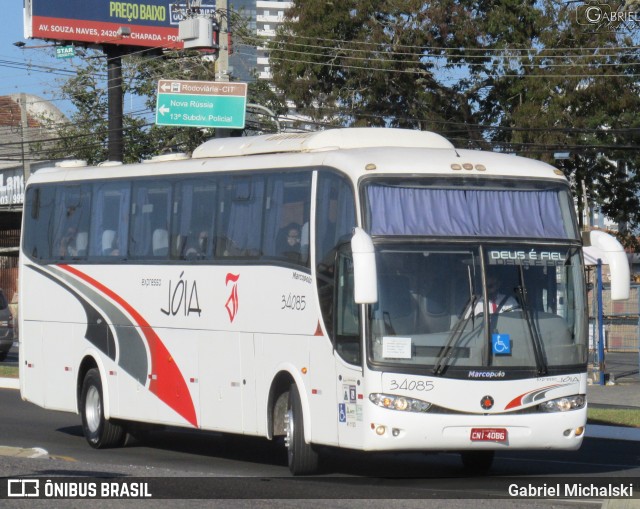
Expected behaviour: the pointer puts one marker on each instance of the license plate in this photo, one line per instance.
(488, 435)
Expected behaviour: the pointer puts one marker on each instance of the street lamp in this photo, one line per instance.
(23, 45)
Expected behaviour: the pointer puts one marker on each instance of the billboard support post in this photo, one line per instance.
(151, 24)
(115, 150)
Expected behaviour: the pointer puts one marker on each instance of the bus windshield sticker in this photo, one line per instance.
(526, 258)
(394, 347)
(501, 344)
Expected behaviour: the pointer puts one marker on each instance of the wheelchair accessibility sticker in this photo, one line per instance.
(501, 344)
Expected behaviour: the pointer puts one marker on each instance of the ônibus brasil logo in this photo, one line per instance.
(232, 301)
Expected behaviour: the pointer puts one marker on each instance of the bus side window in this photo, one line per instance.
(109, 219)
(347, 338)
(72, 213)
(287, 211)
(38, 242)
(335, 220)
(240, 224)
(150, 216)
(193, 219)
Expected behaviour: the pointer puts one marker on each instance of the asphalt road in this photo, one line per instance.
(234, 467)
(237, 471)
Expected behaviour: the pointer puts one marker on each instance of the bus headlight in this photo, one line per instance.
(564, 404)
(403, 403)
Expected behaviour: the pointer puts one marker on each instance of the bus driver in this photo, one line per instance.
(498, 302)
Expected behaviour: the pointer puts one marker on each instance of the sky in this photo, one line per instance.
(33, 69)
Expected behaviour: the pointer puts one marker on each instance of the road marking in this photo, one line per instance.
(21, 452)
(63, 458)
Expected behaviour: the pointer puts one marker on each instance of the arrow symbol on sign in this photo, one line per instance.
(165, 87)
(163, 109)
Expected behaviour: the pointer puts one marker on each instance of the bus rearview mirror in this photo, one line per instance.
(364, 268)
(616, 258)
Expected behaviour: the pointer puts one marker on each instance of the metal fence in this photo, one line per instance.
(621, 320)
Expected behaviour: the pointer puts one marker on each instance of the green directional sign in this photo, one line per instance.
(201, 104)
(65, 51)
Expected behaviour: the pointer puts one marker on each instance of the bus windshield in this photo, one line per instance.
(517, 307)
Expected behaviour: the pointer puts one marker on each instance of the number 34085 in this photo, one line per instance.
(410, 385)
(294, 302)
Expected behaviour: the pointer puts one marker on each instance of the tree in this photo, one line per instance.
(360, 62)
(86, 135)
(575, 91)
(529, 77)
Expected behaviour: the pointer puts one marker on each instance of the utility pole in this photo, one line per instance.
(222, 63)
(24, 124)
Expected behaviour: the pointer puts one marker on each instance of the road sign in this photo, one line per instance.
(65, 51)
(201, 104)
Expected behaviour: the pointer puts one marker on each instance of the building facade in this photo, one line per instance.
(263, 17)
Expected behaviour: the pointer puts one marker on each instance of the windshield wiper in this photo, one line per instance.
(455, 335)
(536, 341)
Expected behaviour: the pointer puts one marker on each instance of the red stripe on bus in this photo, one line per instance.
(169, 385)
(518, 401)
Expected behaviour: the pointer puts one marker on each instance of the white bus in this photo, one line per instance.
(332, 288)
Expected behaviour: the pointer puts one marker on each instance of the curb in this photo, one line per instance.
(9, 383)
(613, 432)
(21, 452)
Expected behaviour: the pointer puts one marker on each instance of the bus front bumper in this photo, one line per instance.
(559, 430)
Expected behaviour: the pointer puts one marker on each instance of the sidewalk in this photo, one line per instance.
(623, 382)
(622, 394)
(9, 383)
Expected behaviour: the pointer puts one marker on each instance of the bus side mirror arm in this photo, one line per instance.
(365, 279)
(617, 260)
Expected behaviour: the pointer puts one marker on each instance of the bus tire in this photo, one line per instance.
(301, 457)
(477, 462)
(99, 432)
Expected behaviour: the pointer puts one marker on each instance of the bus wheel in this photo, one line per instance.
(477, 462)
(99, 432)
(302, 458)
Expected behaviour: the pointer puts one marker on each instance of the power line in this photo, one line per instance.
(528, 49)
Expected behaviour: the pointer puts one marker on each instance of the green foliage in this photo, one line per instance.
(614, 417)
(576, 92)
(8, 372)
(359, 63)
(86, 135)
(526, 77)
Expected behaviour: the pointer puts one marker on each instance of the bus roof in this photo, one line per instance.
(332, 139)
(356, 151)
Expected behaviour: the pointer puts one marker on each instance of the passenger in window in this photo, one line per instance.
(203, 242)
(160, 242)
(289, 241)
(68, 243)
(199, 251)
(82, 241)
(110, 243)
